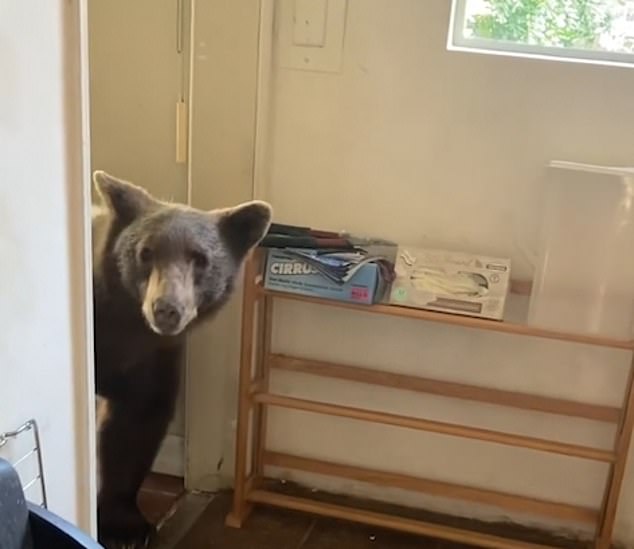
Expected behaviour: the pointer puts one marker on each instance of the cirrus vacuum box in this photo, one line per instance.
(285, 272)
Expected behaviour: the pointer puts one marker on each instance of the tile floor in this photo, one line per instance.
(158, 496)
(277, 529)
(270, 528)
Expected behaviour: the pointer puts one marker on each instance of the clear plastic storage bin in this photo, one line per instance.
(584, 278)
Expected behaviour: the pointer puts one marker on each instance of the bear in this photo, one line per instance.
(158, 269)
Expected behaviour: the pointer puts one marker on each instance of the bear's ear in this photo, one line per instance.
(244, 226)
(125, 200)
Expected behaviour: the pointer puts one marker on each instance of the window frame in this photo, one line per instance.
(456, 41)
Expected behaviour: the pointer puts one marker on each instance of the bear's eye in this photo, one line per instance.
(200, 260)
(145, 255)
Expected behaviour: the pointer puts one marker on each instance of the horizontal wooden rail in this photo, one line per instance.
(381, 520)
(458, 320)
(499, 397)
(502, 500)
(450, 429)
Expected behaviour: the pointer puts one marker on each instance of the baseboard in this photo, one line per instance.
(209, 484)
(171, 457)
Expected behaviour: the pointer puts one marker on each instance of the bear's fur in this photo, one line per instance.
(158, 268)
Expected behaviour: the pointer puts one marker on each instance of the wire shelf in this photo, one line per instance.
(31, 456)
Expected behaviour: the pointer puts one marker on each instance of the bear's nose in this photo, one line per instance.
(167, 314)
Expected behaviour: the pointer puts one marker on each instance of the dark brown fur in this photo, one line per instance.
(136, 368)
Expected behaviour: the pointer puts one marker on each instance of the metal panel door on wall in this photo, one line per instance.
(138, 74)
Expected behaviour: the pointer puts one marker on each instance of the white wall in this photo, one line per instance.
(45, 348)
(424, 146)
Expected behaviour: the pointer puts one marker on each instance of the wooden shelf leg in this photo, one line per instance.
(265, 323)
(241, 507)
(617, 470)
(238, 515)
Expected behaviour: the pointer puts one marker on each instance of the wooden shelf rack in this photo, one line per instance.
(257, 361)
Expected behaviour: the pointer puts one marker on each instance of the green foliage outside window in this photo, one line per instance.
(552, 23)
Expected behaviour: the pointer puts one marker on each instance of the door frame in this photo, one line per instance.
(80, 206)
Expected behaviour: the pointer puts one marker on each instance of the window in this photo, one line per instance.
(600, 31)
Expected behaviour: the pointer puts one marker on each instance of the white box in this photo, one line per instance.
(451, 282)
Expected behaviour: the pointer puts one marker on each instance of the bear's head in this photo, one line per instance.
(177, 262)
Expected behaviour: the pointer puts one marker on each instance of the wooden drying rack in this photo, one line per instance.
(257, 360)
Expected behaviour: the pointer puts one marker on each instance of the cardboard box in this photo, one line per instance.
(285, 273)
(451, 282)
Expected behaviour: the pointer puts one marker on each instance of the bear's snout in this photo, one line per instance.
(167, 314)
